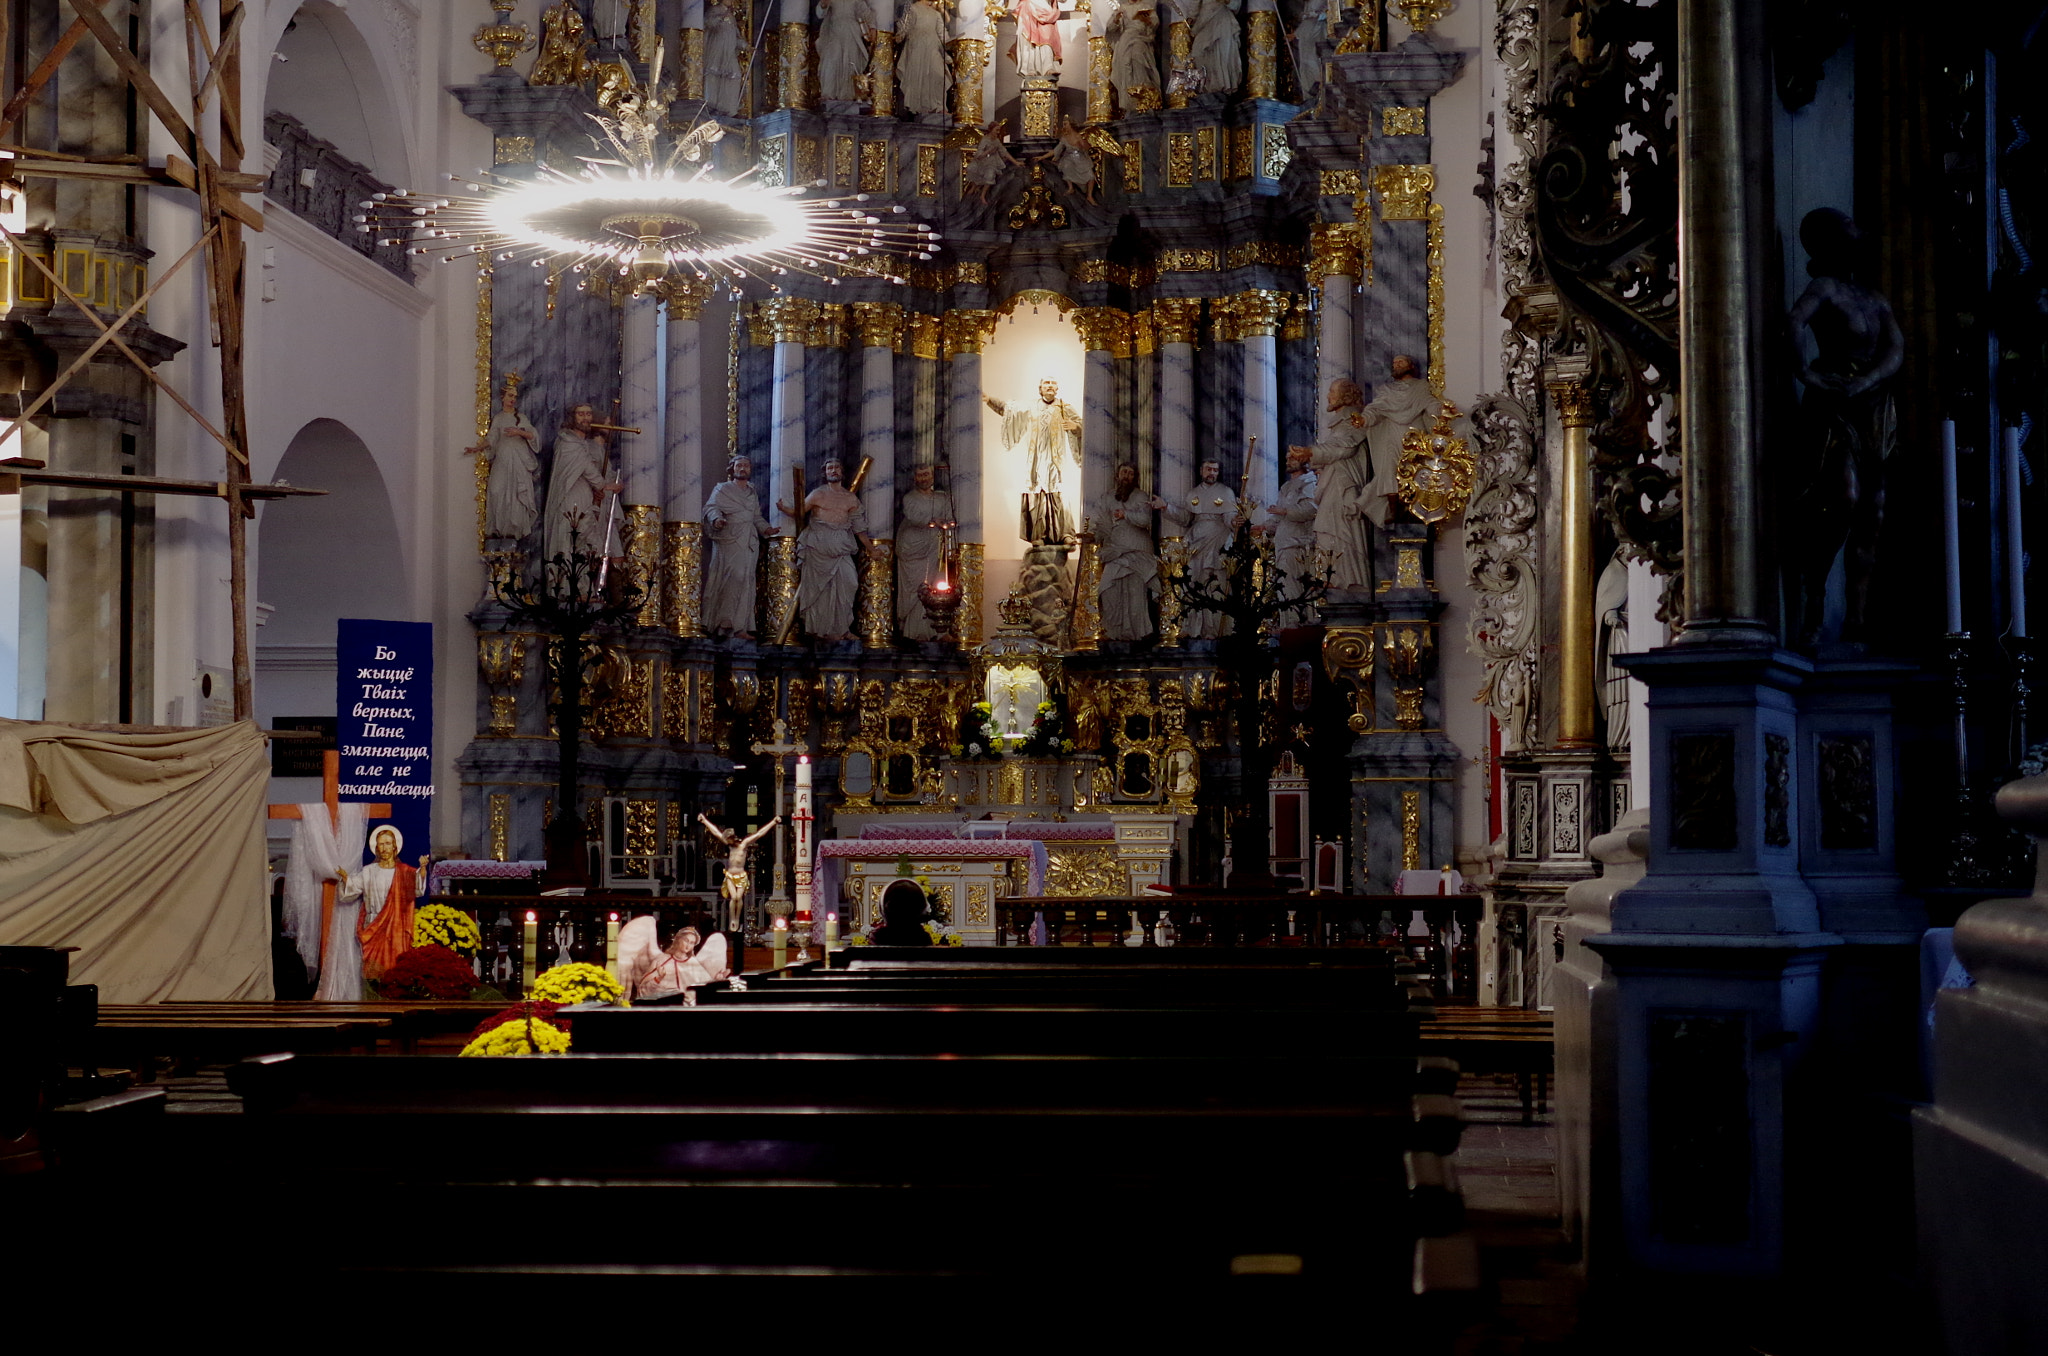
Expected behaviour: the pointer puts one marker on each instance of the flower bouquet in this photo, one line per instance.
(979, 738)
(430, 972)
(578, 982)
(440, 925)
(1048, 735)
(522, 1029)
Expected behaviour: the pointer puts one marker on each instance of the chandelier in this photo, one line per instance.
(646, 211)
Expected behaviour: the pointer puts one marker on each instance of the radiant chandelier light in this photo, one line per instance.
(645, 213)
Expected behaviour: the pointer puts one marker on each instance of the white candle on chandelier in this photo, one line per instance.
(1951, 529)
(2015, 537)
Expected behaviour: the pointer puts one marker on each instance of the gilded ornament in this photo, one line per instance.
(1180, 48)
(1259, 312)
(1087, 619)
(967, 329)
(1142, 341)
(1411, 830)
(977, 904)
(685, 296)
(1091, 271)
(881, 91)
(1242, 161)
(1404, 122)
(1223, 319)
(877, 600)
(794, 78)
(564, 49)
(1103, 329)
(808, 168)
(1408, 568)
(1081, 870)
(504, 715)
(1262, 53)
(1099, 90)
(1404, 191)
(970, 58)
(485, 405)
(1173, 559)
(1365, 35)
(512, 150)
(501, 658)
(501, 39)
(845, 152)
(1269, 252)
(828, 326)
(675, 705)
(682, 552)
(1037, 208)
(1334, 251)
(501, 826)
(1277, 150)
(1205, 153)
(789, 320)
(778, 598)
(1134, 167)
(874, 163)
(1188, 261)
(879, 324)
(1035, 297)
(773, 161)
(1341, 184)
(1434, 478)
(928, 170)
(1574, 403)
(1423, 15)
(1180, 159)
(693, 63)
(1177, 318)
(1436, 300)
(970, 589)
(643, 559)
(968, 271)
(926, 334)
(1039, 106)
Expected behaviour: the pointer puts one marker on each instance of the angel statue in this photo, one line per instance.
(1073, 155)
(990, 156)
(736, 885)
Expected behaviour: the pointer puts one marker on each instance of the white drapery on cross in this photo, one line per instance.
(320, 850)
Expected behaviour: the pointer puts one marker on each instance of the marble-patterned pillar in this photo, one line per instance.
(1336, 260)
(1176, 320)
(789, 323)
(1259, 313)
(1105, 336)
(682, 531)
(640, 453)
(1261, 50)
(966, 330)
(691, 38)
(879, 325)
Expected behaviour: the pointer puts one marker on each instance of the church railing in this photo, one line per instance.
(322, 187)
(1226, 920)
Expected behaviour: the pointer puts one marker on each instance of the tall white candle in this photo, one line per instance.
(2015, 537)
(1951, 528)
(801, 819)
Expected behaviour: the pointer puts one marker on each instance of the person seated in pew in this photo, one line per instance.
(903, 911)
(648, 971)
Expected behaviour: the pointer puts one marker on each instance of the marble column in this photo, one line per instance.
(880, 326)
(882, 60)
(1336, 261)
(640, 454)
(965, 332)
(1259, 313)
(683, 445)
(691, 58)
(1176, 320)
(789, 323)
(1261, 50)
(1105, 336)
(970, 62)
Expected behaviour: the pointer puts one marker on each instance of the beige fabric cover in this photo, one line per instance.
(144, 849)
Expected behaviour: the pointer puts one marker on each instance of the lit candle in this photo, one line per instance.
(526, 974)
(779, 939)
(800, 820)
(611, 946)
(2015, 537)
(831, 933)
(1951, 528)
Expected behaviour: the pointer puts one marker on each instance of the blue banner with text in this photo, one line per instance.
(384, 702)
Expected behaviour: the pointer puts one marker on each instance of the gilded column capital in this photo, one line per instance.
(1574, 403)
(926, 332)
(786, 319)
(1143, 337)
(686, 297)
(1223, 319)
(1259, 312)
(879, 324)
(828, 325)
(1103, 329)
(1176, 319)
(1335, 250)
(1404, 191)
(968, 329)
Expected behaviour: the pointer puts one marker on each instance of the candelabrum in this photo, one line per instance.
(1967, 861)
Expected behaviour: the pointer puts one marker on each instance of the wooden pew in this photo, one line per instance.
(138, 1034)
(1497, 1040)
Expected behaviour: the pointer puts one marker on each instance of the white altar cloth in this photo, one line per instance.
(832, 853)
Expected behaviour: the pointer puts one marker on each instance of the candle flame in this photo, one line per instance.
(531, 916)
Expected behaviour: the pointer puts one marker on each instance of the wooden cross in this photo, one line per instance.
(781, 747)
(330, 792)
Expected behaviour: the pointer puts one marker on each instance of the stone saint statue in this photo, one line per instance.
(1037, 49)
(1343, 465)
(845, 28)
(1292, 526)
(1401, 404)
(1047, 432)
(564, 49)
(1310, 35)
(1850, 424)
(991, 157)
(576, 490)
(921, 35)
(734, 524)
(1210, 517)
(828, 550)
(1134, 55)
(1074, 158)
(372, 923)
(1130, 570)
(1217, 47)
(921, 526)
(724, 72)
(736, 885)
(512, 494)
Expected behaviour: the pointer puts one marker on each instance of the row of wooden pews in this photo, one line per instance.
(947, 1112)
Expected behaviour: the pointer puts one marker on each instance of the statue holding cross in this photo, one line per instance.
(324, 847)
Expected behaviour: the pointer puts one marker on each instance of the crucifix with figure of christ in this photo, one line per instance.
(779, 748)
(330, 793)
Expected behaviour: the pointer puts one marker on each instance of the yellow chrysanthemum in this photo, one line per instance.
(577, 982)
(511, 1038)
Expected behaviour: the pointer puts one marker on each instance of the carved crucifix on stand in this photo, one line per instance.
(778, 749)
(330, 792)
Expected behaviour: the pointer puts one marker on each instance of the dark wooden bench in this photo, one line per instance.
(138, 1035)
(1515, 1041)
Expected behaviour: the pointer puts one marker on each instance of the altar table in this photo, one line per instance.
(974, 872)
